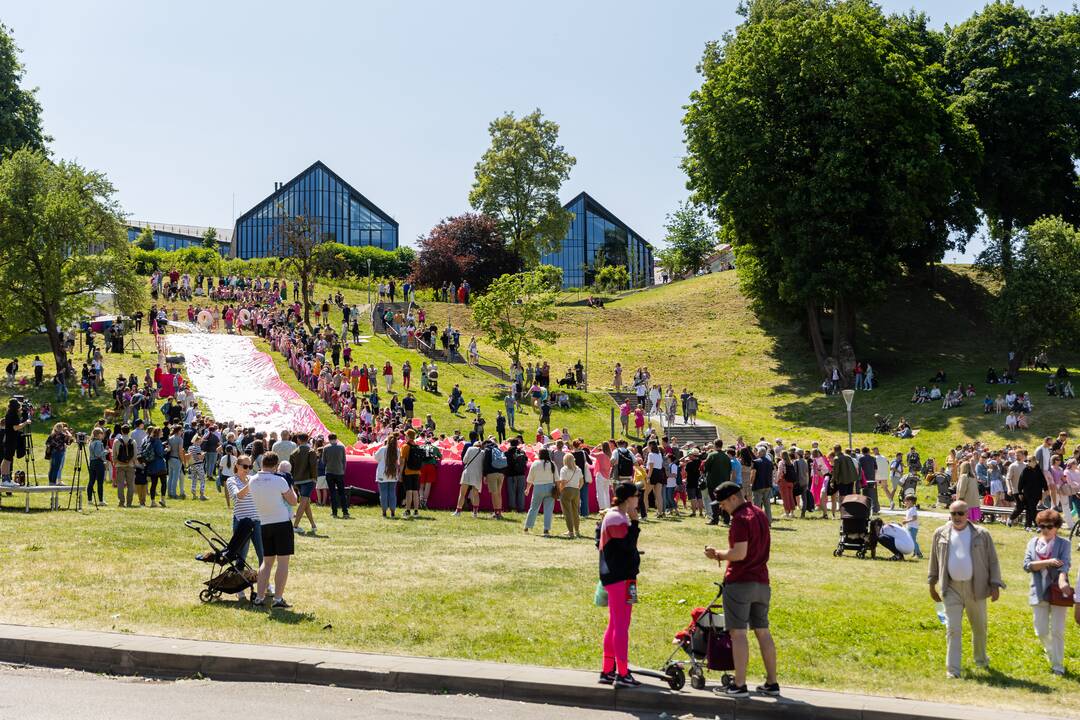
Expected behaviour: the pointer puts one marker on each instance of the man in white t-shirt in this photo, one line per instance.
(273, 498)
(963, 558)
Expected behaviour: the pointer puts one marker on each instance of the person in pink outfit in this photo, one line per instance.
(619, 562)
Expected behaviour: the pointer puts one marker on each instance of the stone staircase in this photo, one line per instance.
(698, 434)
(703, 433)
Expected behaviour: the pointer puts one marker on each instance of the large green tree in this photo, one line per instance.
(690, 236)
(62, 238)
(516, 313)
(20, 112)
(1039, 306)
(1016, 77)
(518, 180)
(822, 142)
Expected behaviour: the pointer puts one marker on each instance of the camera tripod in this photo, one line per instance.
(76, 478)
(132, 345)
(28, 459)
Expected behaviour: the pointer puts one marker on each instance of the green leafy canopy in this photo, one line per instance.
(517, 183)
(62, 237)
(514, 313)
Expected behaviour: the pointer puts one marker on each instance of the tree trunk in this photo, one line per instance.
(843, 337)
(813, 328)
(305, 297)
(56, 340)
(837, 331)
(1001, 235)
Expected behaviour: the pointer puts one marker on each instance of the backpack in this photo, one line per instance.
(520, 463)
(626, 463)
(498, 458)
(125, 449)
(431, 454)
(790, 473)
(416, 457)
(146, 452)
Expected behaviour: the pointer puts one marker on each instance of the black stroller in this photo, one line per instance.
(854, 526)
(883, 424)
(706, 643)
(944, 489)
(229, 574)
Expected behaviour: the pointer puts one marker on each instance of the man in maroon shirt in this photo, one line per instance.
(746, 587)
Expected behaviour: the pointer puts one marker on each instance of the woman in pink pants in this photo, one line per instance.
(619, 563)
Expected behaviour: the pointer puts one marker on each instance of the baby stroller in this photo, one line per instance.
(229, 574)
(433, 381)
(944, 489)
(854, 526)
(706, 644)
(909, 482)
(882, 424)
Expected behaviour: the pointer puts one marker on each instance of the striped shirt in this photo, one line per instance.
(243, 507)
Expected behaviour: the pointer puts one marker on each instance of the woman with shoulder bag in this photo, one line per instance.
(570, 479)
(619, 564)
(1048, 559)
(541, 481)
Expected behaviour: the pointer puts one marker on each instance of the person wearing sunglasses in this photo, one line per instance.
(964, 560)
(1048, 559)
(238, 488)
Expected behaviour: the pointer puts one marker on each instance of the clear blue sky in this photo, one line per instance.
(184, 104)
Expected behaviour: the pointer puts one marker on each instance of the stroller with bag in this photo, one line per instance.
(229, 574)
(854, 526)
(707, 645)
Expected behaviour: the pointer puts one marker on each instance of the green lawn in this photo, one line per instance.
(482, 589)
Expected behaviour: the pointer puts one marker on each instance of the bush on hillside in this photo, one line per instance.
(612, 278)
(467, 247)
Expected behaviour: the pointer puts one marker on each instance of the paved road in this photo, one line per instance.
(41, 694)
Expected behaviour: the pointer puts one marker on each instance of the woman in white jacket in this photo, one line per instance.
(541, 482)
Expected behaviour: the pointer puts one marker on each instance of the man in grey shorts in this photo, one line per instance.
(746, 588)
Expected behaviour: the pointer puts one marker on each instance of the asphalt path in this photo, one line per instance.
(44, 694)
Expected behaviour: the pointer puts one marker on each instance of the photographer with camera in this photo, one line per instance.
(16, 422)
(55, 450)
(96, 465)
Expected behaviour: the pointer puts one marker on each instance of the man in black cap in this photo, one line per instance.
(746, 587)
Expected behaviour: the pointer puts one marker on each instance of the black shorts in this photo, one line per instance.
(410, 482)
(278, 539)
(304, 489)
(843, 490)
(658, 477)
(693, 492)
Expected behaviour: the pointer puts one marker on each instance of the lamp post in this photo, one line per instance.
(849, 395)
(369, 284)
(586, 354)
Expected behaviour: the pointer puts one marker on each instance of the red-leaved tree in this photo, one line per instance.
(466, 247)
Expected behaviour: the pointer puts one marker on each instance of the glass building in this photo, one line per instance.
(178, 237)
(344, 215)
(596, 234)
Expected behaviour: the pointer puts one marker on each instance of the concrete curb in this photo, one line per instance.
(125, 654)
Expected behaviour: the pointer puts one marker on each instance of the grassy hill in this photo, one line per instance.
(756, 376)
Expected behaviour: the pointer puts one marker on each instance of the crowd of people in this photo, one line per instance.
(741, 485)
